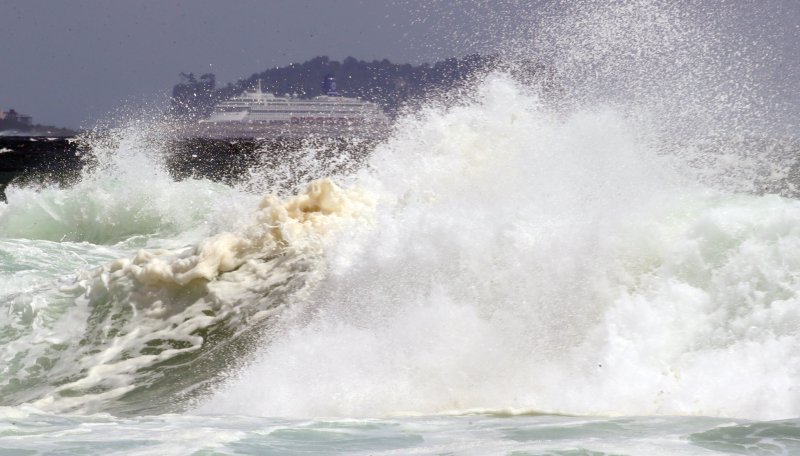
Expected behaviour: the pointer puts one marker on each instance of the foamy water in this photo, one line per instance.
(609, 267)
(565, 268)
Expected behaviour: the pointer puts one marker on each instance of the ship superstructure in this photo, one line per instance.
(255, 113)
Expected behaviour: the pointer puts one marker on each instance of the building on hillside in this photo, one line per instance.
(13, 116)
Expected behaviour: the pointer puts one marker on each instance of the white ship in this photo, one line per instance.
(257, 114)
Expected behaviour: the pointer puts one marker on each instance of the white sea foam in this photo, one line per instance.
(126, 195)
(529, 260)
(511, 249)
(157, 301)
(610, 250)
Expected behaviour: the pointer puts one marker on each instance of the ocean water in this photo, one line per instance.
(590, 264)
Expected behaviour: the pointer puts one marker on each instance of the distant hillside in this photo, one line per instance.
(386, 83)
(13, 127)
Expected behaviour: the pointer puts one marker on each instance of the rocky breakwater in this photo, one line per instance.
(28, 161)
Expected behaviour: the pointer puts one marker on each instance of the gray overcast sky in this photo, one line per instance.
(71, 63)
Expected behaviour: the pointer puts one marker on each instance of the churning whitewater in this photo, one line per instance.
(493, 256)
(522, 260)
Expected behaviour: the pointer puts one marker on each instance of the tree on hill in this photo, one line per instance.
(380, 81)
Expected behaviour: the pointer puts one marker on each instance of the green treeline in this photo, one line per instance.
(389, 84)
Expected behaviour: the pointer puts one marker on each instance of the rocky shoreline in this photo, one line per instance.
(30, 161)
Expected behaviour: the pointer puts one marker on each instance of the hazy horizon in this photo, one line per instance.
(72, 64)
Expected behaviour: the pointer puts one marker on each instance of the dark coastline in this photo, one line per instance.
(28, 160)
(36, 161)
(31, 161)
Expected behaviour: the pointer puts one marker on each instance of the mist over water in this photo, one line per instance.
(607, 252)
(522, 260)
(616, 235)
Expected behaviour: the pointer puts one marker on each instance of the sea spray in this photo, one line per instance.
(528, 259)
(124, 195)
(616, 240)
(136, 318)
(596, 244)
(280, 227)
(495, 213)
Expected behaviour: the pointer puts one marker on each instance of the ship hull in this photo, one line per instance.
(291, 130)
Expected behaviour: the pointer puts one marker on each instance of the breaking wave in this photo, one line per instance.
(602, 240)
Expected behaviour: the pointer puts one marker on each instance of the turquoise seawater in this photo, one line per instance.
(479, 434)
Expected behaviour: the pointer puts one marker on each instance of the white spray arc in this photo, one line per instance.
(585, 254)
(606, 252)
(524, 259)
